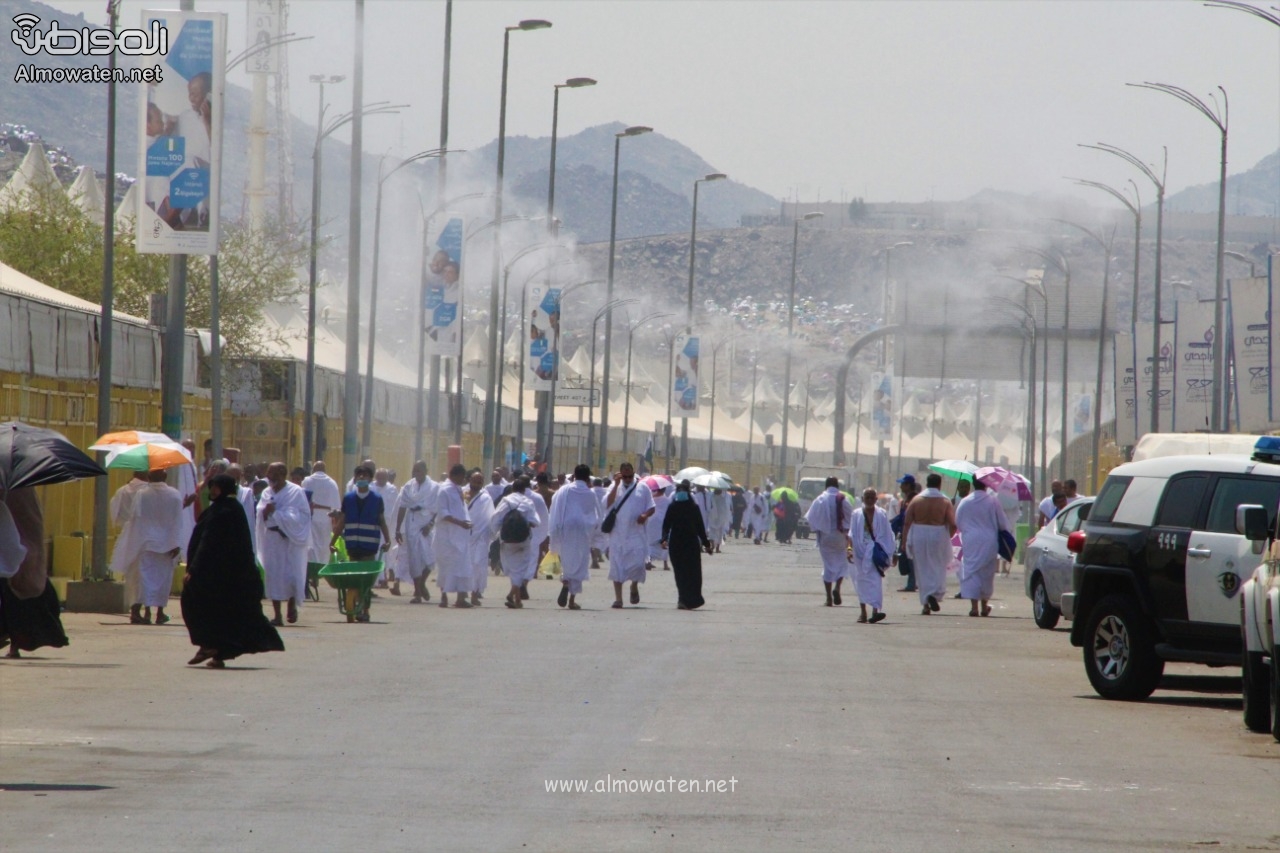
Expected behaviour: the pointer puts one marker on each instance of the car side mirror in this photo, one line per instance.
(1251, 522)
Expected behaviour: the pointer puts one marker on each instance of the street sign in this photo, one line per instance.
(587, 397)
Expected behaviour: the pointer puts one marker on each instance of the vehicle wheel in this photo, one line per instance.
(1275, 696)
(1119, 653)
(1256, 680)
(1046, 614)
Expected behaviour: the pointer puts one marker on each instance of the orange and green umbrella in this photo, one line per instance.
(150, 456)
(126, 438)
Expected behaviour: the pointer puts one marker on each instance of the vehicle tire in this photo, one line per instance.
(1046, 615)
(1256, 691)
(1119, 650)
(1275, 696)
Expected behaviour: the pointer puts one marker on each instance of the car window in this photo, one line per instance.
(1180, 506)
(1068, 520)
(1231, 492)
(1104, 507)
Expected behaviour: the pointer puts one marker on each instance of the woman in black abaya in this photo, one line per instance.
(222, 592)
(684, 535)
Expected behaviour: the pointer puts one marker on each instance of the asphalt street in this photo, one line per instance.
(432, 729)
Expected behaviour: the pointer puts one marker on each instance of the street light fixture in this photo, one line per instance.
(688, 328)
(366, 431)
(1159, 182)
(635, 130)
(490, 407)
(606, 311)
(1059, 262)
(1219, 116)
(791, 318)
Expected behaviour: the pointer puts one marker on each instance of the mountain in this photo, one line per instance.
(1255, 192)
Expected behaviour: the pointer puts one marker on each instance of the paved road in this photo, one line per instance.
(433, 729)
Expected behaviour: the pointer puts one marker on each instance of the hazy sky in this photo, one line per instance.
(886, 99)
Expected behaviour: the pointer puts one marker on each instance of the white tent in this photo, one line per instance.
(86, 195)
(33, 175)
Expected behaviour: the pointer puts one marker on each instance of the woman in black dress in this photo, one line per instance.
(685, 537)
(222, 591)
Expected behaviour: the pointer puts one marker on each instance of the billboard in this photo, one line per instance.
(684, 381)
(1250, 322)
(180, 128)
(445, 236)
(1142, 345)
(1126, 386)
(542, 336)
(1193, 367)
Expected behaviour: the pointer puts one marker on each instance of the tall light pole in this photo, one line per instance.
(1159, 182)
(490, 401)
(688, 326)
(323, 130)
(751, 423)
(351, 384)
(1106, 246)
(1059, 261)
(631, 331)
(442, 188)
(366, 427)
(635, 130)
(791, 319)
(544, 402)
(1135, 208)
(548, 453)
(1219, 116)
(884, 349)
(606, 311)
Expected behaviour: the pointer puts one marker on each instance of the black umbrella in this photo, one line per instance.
(31, 456)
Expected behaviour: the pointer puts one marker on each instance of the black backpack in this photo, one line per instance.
(515, 528)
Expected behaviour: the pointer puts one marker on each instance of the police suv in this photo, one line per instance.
(1260, 618)
(1161, 561)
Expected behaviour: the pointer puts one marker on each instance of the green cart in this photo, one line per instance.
(354, 583)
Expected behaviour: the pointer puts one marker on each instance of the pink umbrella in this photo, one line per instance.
(658, 482)
(1003, 480)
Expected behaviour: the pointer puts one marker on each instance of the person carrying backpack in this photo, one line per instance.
(513, 522)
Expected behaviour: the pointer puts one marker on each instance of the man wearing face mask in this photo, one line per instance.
(364, 523)
(632, 505)
(283, 537)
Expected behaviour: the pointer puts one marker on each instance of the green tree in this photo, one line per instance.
(857, 209)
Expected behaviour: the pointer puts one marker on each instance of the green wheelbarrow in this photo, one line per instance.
(354, 583)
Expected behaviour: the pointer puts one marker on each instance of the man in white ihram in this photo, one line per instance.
(980, 519)
(632, 505)
(122, 511)
(283, 538)
(829, 517)
(480, 512)
(721, 517)
(453, 540)
(575, 518)
(325, 498)
(156, 542)
(414, 517)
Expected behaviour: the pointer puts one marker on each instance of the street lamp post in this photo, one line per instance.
(1219, 116)
(548, 454)
(1159, 182)
(631, 331)
(751, 423)
(366, 427)
(1106, 246)
(490, 403)
(544, 401)
(606, 311)
(688, 328)
(1059, 261)
(636, 130)
(884, 351)
(791, 318)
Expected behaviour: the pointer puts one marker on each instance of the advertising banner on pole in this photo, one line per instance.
(882, 405)
(180, 129)
(684, 380)
(1142, 358)
(542, 336)
(444, 284)
(1126, 388)
(1250, 316)
(1193, 367)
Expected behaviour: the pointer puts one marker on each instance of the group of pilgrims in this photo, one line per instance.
(246, 539)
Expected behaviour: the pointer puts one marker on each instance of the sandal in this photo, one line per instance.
(933, 604)
(573, 605)
(986, 611)
(201, 656)
(563, 598)
(617, 605)
(835, 597)
(878, 616)
(162, 618)
(635, 596)
(278, 622)
(216, 663)
(862, 618)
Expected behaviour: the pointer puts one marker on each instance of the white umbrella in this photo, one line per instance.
(690, 473)
(713, 480)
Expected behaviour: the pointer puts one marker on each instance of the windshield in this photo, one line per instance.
(810, 489)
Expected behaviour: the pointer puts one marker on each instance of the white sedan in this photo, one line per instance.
(1049, 564)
